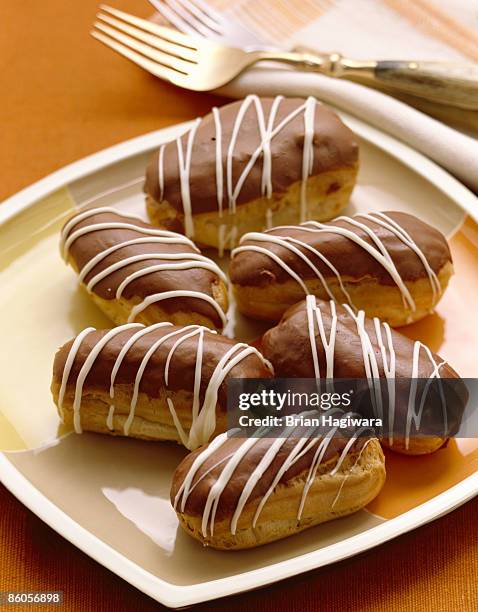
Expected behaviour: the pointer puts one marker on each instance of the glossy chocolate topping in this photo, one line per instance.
(207, 477)
(351, 346)
(181, 367)
(91, 244)
(287, 346)
(351, 260)
(334, 146)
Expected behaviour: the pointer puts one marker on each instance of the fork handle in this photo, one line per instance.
(452, 84)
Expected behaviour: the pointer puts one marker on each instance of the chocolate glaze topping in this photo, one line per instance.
(334, 147)
(287, 347)
(91, 244)
(229, 498)
(352, 261)
(290, 349)
(181, 367)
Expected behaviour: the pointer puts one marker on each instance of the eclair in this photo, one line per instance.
(161, 382)
(406, 381)
(244, 492)
(392, 265)
(136, 272)
(249, 165)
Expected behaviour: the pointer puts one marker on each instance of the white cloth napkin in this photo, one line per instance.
(444, 30)
(449, 148)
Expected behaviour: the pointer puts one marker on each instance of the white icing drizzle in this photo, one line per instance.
(266, 183)
(314, 315)
(183, 265)
(68, 365)
(209, 470)
(161, 171)
(166, 295)
(288, 243)
(204, 426)
(203, 415)
(377, 250)
(110, 417)
(68, 238)
(197, 381)
(212, 502)
(372, 371)
(219, 175)
(226, 235)
(221, 239)
(370, 362)
(413, 416)
(197, 261)
(86, 368)
(139, 375)
(267, 131)
(254, 478)
(94, 261)
(185, 259)
(308, 155)
(119, 360)
(275, 258)
(297, 452)
(184, 174)
(230, 463)
(386, 221)
(185, 487)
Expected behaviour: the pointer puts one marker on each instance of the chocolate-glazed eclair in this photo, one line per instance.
(391, 265)
(249, 165)
(243, 492)
(135, 272)
(161, 382)
(318, 339)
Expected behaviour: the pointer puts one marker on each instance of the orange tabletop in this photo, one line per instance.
(63, 96)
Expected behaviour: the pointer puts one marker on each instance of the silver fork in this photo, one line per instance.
(193, 62)
(196, 18)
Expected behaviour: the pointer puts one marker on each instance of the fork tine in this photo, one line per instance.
(154, 41)
(202, 15)
(170, 16)
(178, 20)
(190, 16)
(162, 31)
(158, 56)
(209, 11)
(160, 71)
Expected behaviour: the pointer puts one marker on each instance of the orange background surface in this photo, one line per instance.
(63, 96)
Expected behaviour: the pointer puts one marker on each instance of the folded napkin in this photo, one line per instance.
(378, 29)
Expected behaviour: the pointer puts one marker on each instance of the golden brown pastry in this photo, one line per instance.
(136, 272)
(389, 264)
(243, 492)
(161, 382)
(318, 339)
(249, 165)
